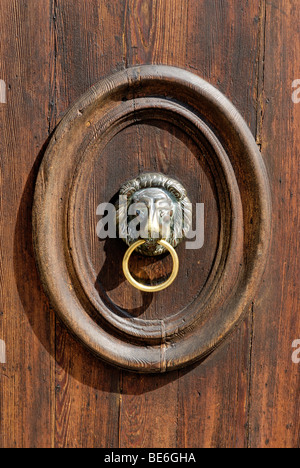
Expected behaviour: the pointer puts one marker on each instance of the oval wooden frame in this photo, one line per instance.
(175, 95)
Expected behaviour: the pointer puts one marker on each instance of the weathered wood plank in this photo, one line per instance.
(155, 32)
(275, 409)
(223, 47)
(88, 38)
(26, 323)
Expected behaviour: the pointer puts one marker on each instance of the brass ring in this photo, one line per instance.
(143, 287)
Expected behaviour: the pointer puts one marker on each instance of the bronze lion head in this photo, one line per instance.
(153, 207)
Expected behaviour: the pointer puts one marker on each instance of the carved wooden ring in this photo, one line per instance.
(181, 99)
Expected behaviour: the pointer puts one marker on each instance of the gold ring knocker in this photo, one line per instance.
(143, 287)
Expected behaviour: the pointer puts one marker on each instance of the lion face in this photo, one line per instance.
(154, 208)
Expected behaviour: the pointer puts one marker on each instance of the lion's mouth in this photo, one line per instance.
(151, 248)
(151, 245)
(153, 241)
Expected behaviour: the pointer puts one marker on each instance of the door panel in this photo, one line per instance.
(274, 415)
(53, 391)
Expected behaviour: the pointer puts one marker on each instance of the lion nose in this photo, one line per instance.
(153, 224)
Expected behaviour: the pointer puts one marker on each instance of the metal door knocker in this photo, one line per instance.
(154, 214)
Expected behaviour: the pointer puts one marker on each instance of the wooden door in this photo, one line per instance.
(54, 392)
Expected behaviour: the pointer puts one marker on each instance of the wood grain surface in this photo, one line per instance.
(53, 392)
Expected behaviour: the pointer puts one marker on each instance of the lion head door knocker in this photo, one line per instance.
(154, 214)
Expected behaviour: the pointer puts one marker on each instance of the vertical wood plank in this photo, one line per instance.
(89, 45)
(224, 41)
(149, 411)
(155, 32)
(213, 397)
(26, 323)
(275, 409)
(220, 41)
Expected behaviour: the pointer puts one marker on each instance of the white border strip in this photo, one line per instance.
(2, 352)
(3, 92)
